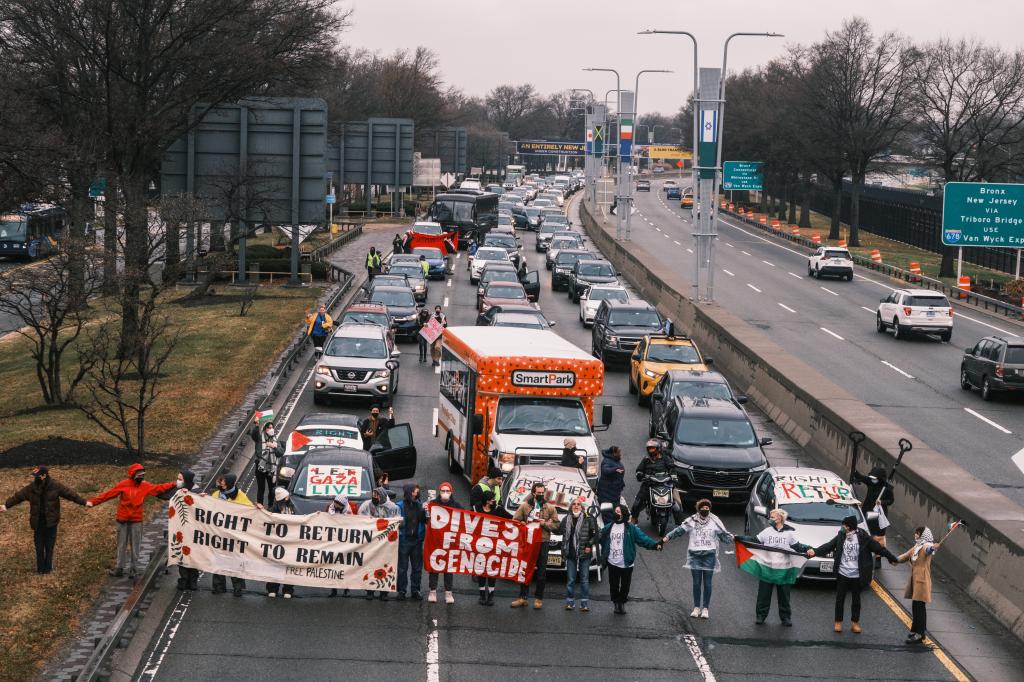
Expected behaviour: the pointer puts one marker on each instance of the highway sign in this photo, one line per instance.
(447, 179)
(98, 188)
(983, 214)
(330, 199)
(743, 175)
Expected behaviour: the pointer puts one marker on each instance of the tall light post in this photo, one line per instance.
(618, 156)
(631, 116)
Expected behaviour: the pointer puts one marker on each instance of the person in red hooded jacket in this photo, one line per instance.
(132, 492)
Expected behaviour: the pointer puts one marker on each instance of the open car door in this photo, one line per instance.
(395, 453)
(531, 284)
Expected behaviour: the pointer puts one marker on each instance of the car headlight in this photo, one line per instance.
(407, 318)
(382, 374)
(507, 458)
(759, 467)
(326, 371)
(661, 499)
(613, 339)
(650, 374)
(683, 465)
(591, 466)
(286, 472)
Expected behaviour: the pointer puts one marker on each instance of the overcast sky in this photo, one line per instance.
(483, 43)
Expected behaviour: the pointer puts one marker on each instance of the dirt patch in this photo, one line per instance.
(57, 451)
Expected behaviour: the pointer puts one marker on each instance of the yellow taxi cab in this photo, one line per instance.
(687, 199)
(657, 354)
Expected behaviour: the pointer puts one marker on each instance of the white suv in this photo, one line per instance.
(830, 261)
(915, 310)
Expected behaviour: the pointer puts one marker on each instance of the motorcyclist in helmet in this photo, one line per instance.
(654, 462)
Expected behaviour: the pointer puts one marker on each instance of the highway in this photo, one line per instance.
(206, 636)
(830, 324)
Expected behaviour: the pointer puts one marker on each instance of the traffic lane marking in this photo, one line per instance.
(753, 287)
(689, 250)
(767, 263)
(863, 307)
(897, 369)
(987, 421)
(831, 333)
(676, 243)
(786, 307)
(728, 273)
(1018, 460)
(985, 324)
(744, 252)
(829, 291)
(793, 274)
(698, 657)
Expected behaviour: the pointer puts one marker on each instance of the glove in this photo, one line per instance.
(639, 477)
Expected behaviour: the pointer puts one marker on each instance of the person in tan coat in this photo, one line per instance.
(536, 509)
(919, 588)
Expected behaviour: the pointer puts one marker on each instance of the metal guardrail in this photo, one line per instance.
(963, 295)
(106, 644)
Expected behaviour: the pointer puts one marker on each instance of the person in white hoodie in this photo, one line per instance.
(706, 531)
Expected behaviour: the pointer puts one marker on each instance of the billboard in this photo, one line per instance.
(554, 148)
(670, 152)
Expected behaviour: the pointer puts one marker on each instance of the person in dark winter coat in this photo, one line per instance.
(877, 498)
(852, 548)
(445, 498)
(397, 245)
(282, 505)
(578, 530)
(131, 493)
(410, 542)
(43, 496)
(570, 457)
(619, 540)
(536, 509)
(228, 490)
(266, 455)
(489, 483)
(375, 424)
(654, 463)
(611, 482)
(486, 504)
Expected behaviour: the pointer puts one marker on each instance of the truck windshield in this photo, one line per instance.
(542, 416)
(453, 211)
(13, 228)
(730, 433)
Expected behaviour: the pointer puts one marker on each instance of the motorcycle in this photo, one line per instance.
(661, 500)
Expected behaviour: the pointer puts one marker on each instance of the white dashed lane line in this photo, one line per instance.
(744, 252)
(986, 420)
(831, 333)
(676, 243)
(793, 274)
(829, 291)
(753, 287)
(767, 263)
(730, 245)
(689, 250)
(786, 307)
(868, 309)
(896, 369)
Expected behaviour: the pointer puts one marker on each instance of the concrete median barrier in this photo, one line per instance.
(987, 558)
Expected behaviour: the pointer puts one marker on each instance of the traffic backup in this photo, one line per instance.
(503, 408)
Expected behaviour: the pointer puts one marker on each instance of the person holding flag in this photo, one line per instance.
(775, 557)
(919, 587)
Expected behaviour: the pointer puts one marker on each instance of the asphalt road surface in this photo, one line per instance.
(315, 637)
(830, 324)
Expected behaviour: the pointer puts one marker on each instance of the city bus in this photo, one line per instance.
(469, 212)
(32, 231)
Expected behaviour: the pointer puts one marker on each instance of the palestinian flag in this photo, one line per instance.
(264, 416)
(770, 564)
(950, 527)
(299, 440)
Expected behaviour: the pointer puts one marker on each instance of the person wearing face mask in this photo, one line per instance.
(445, 498)
(379, 506)
(706, 531)
(853, 549)
(410, 542)
(422, 319)
(132, 493)
(652, 464)
(919, 587)
(782, 535)
(536, 509)
(877, 498)
(266, 456)
(188, 578)
(486, 504)
(227, 490)
(570, 457)
(611, 482)
(282, 505)
(375, 424)
(619, 540)
(435, 348)
(43, 496)
(339, 505)
(578, 530)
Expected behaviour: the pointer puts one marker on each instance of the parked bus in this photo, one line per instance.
(471, 213)
(511, 396)
(32, 231)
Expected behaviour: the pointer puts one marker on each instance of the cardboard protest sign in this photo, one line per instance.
(316, 550)
(431, 330)
(471, 543)
(804, 488)
(561, 489)
(326, 480)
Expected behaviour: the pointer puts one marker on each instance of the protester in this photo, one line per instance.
(255, 433)
(536, 509)
(397, 245)
(578, 530)
(425, 267)
(618, 546)
(339, 505)
(188, 578)
(319, 327)
(706, 531)
(877, 498)
(652, 464)
(43, 496)
(487, 505)
(132, 492)
(410, 542)
(282, 505)
(445, 498)
(266, 455)
(422, 318)
(611, 482)
(373, 262)
(491, 482)
(470, 252)
(919, 586)
(783, 536)
(379, 506)
(571, 458)
(227, 489)
(439, 315)
(374, 425)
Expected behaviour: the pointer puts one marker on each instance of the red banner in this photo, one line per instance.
(437, 241)
(470, 543)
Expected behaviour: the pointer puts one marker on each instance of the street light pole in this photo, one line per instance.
(618, 156)
(633, 116)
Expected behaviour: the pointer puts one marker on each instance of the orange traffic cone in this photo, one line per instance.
(876, 256)
(775, 224)
(842, 243)
(816, 239)
(915, 271)
(732, 207)
(763, 220)
(794, 230)
(964, 286)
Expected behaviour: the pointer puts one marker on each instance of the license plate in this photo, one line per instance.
(349, 388)
(720, 492)
(826, 565)
(554, 560)
(930, 314)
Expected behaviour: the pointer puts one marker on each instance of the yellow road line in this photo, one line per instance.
(955, 670)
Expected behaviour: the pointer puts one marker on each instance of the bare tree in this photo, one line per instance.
(50, 302)
(509, 106)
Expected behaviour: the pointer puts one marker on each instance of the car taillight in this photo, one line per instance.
(951, 312)
(999, 371)
(907, 310)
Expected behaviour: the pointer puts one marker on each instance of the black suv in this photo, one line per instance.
(715, 450)
(565, 261)
(995, 365)
(619, 326)
(587, 272)
(686, 383)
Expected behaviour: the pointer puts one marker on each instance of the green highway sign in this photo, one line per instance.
(983, 214)
(743, 175)
(98, 188)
